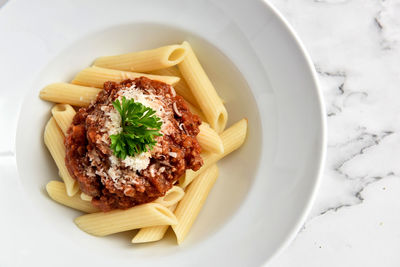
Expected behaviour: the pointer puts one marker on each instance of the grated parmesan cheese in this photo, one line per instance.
(172, 154)
(113, 160)
(112, 126)
(138, 162)
(152, 101)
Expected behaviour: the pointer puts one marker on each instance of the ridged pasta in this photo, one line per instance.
(232, 138)
(115, 221)
(153, 233)
(196, 111)
(63, 114)
(96, 77)
(180, 87)
(203, 90)
(178, 66)
(57, 192)
(82, 96)
(209, 140)
(147, 60)
(189, 207)
(54, 140)
(172, 197)
(67, 93)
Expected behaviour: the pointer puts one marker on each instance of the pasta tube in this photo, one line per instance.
(203, 90)
(82, 96)
(63, 114)
(189, 207)
(67, 93)
(96, 77)
(180, 87)
(209, 140)
(56, 191)
(115, 221)
(147, 60)
(232, 138)
(153, 233)
(171, 197)
(196, 111)
(54, 140)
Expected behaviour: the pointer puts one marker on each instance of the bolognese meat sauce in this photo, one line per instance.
(116, 183)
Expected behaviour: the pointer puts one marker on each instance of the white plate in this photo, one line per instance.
(259, 68)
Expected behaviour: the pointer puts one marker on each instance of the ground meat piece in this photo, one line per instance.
(119, 184)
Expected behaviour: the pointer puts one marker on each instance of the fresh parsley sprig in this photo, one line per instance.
(139, 125)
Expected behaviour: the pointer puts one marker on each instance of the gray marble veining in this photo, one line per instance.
(355, 45)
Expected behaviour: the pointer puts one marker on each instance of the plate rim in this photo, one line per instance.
(323, 121)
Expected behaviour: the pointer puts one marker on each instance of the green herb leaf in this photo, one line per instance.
(139, 125)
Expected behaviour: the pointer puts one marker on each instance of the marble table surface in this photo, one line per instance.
(355, 46)
(355, 220)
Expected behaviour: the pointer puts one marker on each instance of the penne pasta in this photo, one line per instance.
(232, 138)
(147, 60)
(153, 233)
(134, 129)
(196, 111)
(54, 140)
(82, 96)
(96, 77)
(209, 140)
(63, 114)
(57, 192)
(180, 87)
(85, 197)
(67, 93)
(173, 196)
(115, 221)
(189, 207)
(203, 90)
